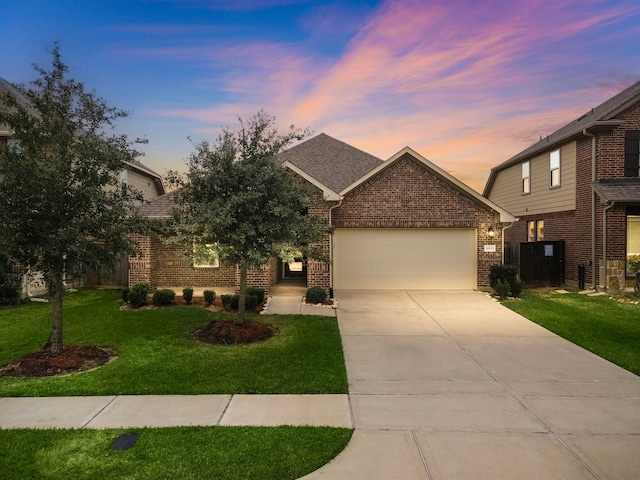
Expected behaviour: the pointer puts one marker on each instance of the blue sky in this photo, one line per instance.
(467, 84)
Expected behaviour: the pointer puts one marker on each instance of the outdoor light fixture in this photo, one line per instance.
(491, 232)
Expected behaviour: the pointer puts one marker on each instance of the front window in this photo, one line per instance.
(632, 153)
(554, 169)
(205, 256)
(633, 235)
(535, 230)
(526, 177)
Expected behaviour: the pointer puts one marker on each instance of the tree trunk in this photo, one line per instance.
(242, 296)
(56, 333)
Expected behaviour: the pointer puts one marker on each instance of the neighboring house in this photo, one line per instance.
(571, 184)
(136, 175)
(400, 224)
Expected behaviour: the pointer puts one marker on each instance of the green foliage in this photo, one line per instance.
(316, 295)
(506, 273)
(258, 204)
(187, 294)
(163, 297)
(138, 294)
(156, 353)
(502, 288)
(62, 204)
(258, 292)
(633, 263)
(226, 300)
(10, 284)
(209, 297)
(125, 295)
(516, 287)
(230, 453)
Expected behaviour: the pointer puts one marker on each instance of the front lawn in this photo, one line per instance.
(604, 326)
(156, 355)
(264, 453)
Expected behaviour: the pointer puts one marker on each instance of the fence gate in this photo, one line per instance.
(542, 263)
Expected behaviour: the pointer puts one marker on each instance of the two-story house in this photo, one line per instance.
(581, 184)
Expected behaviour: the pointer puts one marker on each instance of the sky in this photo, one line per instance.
(466, 83)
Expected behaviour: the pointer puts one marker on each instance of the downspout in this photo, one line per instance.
(604, 242)
(503, 229)
(331, 247)
(593, 208)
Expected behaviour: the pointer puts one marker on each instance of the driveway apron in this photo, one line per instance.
(452, 385)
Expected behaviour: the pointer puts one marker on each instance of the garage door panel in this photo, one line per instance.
(434, 259)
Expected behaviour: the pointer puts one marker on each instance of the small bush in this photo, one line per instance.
(633, 264)
(316, 295)
(516, 287)
(10, 287)
(502, 289)
(138, 294)
(258, 292)
(125, 295)
(187, 294)
(209, 297)
(163, 297)
(250, 301)
(226, 300)
(506, 273)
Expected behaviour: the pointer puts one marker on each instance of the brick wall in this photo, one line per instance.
(407, 195)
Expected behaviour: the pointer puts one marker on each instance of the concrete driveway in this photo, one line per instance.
(452, 385)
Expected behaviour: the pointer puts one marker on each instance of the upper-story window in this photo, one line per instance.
(554, 168)
(526, 177)
(632, 153)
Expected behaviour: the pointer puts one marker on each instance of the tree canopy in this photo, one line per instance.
(238, 197)
(62, 203)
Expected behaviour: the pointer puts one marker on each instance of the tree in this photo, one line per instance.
(62, 204)
(239, 198)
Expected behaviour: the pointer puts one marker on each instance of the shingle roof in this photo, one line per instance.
(621, 190)
(159, 207)
(330, 162)
(601, 116)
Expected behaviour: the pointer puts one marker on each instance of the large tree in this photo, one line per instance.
(62, 203)
(237, 197)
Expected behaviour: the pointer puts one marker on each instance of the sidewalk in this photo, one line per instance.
(132, 411)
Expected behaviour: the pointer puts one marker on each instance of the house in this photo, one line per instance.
(580, 185)
(399, 224)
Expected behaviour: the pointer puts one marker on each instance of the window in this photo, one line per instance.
(526, 178)
(205, 256)
(632, 153)
(554, 169)
(633, 235)
(535, 230)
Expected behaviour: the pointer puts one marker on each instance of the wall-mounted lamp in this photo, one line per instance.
(491, 232)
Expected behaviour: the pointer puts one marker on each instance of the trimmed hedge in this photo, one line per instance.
(316, 295)
(187, 294)
(209, 296)
(138, 294)
(163, 297)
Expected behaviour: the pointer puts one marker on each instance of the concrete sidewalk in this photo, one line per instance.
(131, 411)
(287, 305)
(452, 385)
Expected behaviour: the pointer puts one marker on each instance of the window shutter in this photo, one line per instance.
(632, 153)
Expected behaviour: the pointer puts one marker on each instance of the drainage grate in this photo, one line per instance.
(125, 441)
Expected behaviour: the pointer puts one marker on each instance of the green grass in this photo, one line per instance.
(264, 453)
(156, 355)
(603, 326)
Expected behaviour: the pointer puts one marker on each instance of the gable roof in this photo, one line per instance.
(600, 117)
(505, 216)
(328, 163)
(160, 207)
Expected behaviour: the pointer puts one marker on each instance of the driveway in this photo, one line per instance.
(452, 385)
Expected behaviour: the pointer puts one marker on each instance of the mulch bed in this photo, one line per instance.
(74, 358)
(227, 332)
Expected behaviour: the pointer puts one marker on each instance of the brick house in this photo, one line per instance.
(580, 184)
(399, 224)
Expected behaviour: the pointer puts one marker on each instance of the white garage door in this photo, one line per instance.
(420, 259)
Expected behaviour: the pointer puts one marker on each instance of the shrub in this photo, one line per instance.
(226, 300)
(163, 297)
(187, 294)
(258, 292)
(10, 283)
(516, 287)
(125, 295)
(316, 295)
(138, 294)
(502, 289)
(209, 297)
(250, 301)
(506, 273)
(633, 264)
